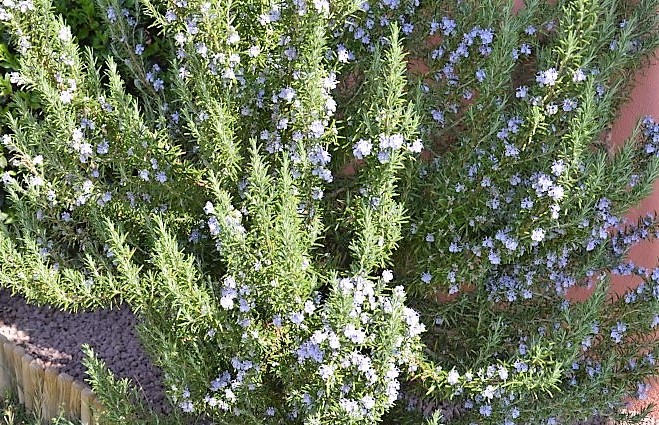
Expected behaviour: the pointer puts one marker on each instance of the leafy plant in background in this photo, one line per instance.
(341, 213)
(7, 62)
(81, 17)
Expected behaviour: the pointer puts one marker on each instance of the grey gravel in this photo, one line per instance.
(54, 339)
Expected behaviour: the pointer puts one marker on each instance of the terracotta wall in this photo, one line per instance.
(644, 101)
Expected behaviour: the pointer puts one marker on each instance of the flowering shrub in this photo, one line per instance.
(341, 212)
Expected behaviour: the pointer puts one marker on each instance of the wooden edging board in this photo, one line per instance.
(44, 391)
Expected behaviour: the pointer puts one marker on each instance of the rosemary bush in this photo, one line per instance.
(340, 213)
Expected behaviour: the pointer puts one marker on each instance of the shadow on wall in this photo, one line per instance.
(644, 101)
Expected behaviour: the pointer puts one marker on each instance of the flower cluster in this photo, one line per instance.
(341, 362)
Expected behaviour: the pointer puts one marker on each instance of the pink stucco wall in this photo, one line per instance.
(644, 101)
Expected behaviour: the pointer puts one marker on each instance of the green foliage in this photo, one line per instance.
(15, 414)
(121, 402)
(81, 17)
(338, 213)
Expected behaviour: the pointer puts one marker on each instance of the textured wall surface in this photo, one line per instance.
(644, 101)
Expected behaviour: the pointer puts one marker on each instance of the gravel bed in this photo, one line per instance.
(54, 339)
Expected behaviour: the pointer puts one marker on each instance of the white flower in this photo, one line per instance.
(453, 377)
(355, 335)
(558, 167)
(16, 78)
(548, 77)
(85, 149)
(387, 276)
(187, 406)
(579, 76)
(317, 129)
(66, 97)
(7, 178)
(322, 6)
(343, 54)
(64, 34)
(25, 5)
(227, 302)
(209, 208)
(412, 320)
(326, 371)
(538, 235)
(233, 37)
(254, 51)
(317, 193)
(368, 402)
(362, 148)
(309, 307)
(556, 193)
(334, 342)
(395, 141)
(36, 181)
(416, 146)
(180, 38)
(202, 49)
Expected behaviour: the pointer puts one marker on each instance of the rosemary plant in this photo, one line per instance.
(347, 212)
